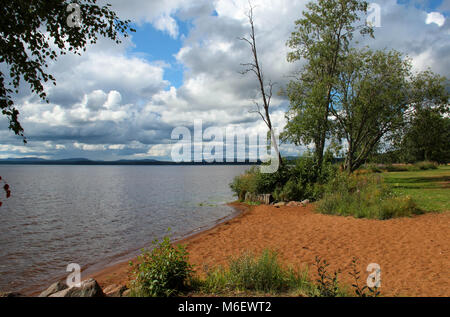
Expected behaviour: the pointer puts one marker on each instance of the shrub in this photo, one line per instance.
(364, 196)
(419, 166)
(327, 284)
(398, 168)
(294, 180)
(244, 183)
(264, 274)
(257, 274)
(373, 168)
(426, 165)
(253, 181)
(161, 272)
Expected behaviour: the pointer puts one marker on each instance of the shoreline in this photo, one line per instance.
(100, 271)
(413, 253)
(117, 274)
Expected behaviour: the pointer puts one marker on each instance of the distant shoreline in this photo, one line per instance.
(127, 163)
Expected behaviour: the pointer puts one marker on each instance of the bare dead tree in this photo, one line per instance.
(266, 90)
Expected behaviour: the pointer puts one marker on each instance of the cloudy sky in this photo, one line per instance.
(183, 63)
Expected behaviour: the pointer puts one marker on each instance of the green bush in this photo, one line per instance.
(426, 165)
(262, 274)
(294, 180)
(327, 284)
(373, 168)
(245, 183)
(162, 272)
(419, 166)
(398, 168)
(364, 196)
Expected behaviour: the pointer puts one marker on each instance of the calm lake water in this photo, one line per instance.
(100, 215)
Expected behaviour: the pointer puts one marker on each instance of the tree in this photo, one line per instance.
(425, 133)
(256, 68)
(427, 138)
(322, 38)
(33, 32)
(430, 90)
(369, 101)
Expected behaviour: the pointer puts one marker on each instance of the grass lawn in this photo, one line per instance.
(430, 189)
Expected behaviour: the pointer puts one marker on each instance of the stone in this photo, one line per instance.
(62, 293)
(114, 290)
(305, 202)
(280, 204)
(88, 288)
(293, 204)
(54, 288)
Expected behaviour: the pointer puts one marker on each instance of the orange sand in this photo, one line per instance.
(414, 253)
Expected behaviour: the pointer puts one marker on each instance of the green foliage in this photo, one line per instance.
(364, 196)
(305, 179)
(327, 284)
(397, 167)
(245, 183)
(28, 28)
(161, 272)
(322, 38)
(426, 137)
(372, 168)
(426, 165)
(371, 97)
(419, 166)
(247, 273)
(296, 180)
(315, 35)
(263, 274)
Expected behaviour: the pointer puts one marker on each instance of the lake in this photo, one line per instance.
(100, 215)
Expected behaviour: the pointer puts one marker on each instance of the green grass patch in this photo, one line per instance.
(264, 276)
(364, 196)
(430, 189)
(257, 275)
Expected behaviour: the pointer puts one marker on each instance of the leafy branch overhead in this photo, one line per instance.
(33, 33)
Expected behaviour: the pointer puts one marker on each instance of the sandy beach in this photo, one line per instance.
(414, 253)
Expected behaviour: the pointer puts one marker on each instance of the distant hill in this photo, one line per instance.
(84, 161)
(75, 160)
(23, 159)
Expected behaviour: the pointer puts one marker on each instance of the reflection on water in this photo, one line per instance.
(95, 215)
